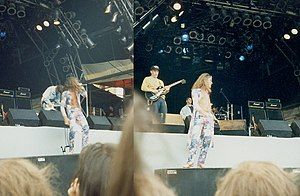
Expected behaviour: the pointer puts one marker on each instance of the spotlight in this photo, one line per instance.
(226, 15)
(177, 6)
(236, 18)
(90, 43)
(257, 21)
(177, 40)
(227, 54)
(249, 47)
(11, 10)
(56, 20)
(168, 49)
(77, 25)
(185, 37)
(130, 47)
(21, 12)
(108, 8)
(247, 20)
(287, 36)
(178, 50)
(70, 15)
(242, 58)
(63, 60)
(294, 31)
(160, 51)
(119, 30)
(39, 27)
(2, 35)
(201, 37)
(214, 15)
(149, 47)
(83, 33)
(58, 46)
(46, 23)
(267, 23)
(2, 6)
(211, 38)
(180, 14)
(174, 19)
(123, 39)
(139, 10)
(193, 34)
(46, 63)
(115, 17)
(222, 40)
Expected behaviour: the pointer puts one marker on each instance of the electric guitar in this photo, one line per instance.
(150, 96)
(51, 106)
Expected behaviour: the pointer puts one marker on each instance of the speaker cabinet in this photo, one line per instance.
(23, 117)
(296, 128)
(51, 118)
(191, 182)
(277, 128)
(99, 122)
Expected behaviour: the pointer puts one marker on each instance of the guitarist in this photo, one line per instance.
(51, 97)
(152, 84)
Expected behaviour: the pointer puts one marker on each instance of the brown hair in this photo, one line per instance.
(93, 172)
(73, 84)
(21, 177)
(60, 88)
(128, 176)
(201, 81)
(256, 178)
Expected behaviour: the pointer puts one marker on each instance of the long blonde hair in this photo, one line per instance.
(21, 177)
(127, 172)
(256, 178)
(201, 81)
(73, 84)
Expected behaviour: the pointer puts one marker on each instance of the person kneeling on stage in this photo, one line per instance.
(73, 115)
(51, 97)
(186, 114)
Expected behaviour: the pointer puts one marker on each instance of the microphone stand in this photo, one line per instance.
(228, 103)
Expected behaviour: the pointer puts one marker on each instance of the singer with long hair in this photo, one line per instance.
(202, 122)
(72, 112)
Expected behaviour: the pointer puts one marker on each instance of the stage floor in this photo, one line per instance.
(158, 150)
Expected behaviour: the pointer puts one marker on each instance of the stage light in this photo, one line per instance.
(177, 6)
(115, 17)
(226, 16)
(119, 30)
(193, 34)
(185, 37)
(180, 14)
(242, 58)
(182, 25)
(249, 47)
(11, 10)
(227, 54)
(178, 50)
(139, 11)
(90, 43)
(236, 18)
(77, 25)
(21, 12)
(160, 51)
(287, 36)
(211, 38)
(222, 40)
(247, 20)
(149, 47)
(168, 49)
(130, 47)
(83, 33)
(39, 27)
(177, 40)
(214, 15)
(108, 8)
(174, 19)
(2, 6)
(2, 35)
(46, 23)
(294, 31)
(56, 20)
(70, 15)
(58, 46)
(267, 23)
(257, 21)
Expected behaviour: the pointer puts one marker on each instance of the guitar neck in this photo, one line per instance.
(175, 83)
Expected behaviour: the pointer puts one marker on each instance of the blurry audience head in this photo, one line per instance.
(21, 177)
(128, 176)
(253, 178)
(94, 168)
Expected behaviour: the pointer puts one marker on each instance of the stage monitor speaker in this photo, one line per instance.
(256, 110)
(65, 166)
(116, 123)
(99, 122)
(23, 117)
(296, 128)
(191, 182)
(51, 118)
(277, 128)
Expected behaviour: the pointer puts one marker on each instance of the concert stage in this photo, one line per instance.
(158, 150)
